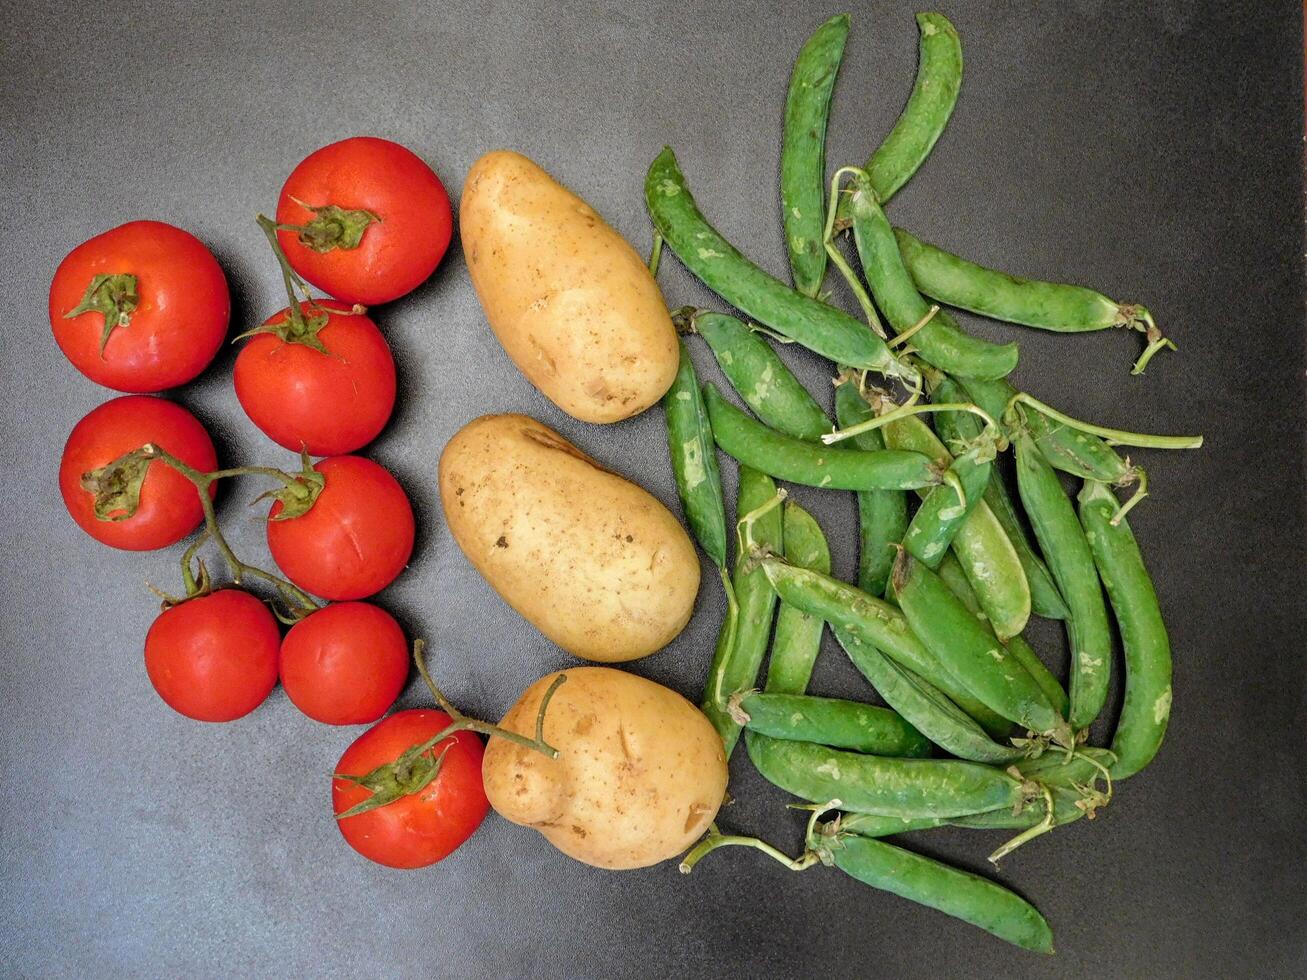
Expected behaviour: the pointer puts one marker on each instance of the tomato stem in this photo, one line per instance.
(289, 276)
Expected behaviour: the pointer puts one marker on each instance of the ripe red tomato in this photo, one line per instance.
(153, 305)
(169, 507)
(373, 187)
(214, 658)
(328, 403)
(421, 828)
(356, 537)
(345, 664)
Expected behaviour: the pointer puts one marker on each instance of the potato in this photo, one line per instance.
(591, 560)
(639, 776)
(573, 304)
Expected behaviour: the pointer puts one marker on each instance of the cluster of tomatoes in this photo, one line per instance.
(144, 308)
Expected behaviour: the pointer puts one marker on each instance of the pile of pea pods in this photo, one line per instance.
(975, 730)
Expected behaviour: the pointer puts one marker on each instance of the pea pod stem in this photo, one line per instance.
(837, 257)
(656, 253)
(903, 411)
(715, 839)
(907, 334)
(1113, 437)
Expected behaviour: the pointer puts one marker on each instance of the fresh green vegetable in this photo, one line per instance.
(882, 514)
(694, 461)
(831, 721)
(803, 152)
(797, 641)
(1147, 706)
(813, 465)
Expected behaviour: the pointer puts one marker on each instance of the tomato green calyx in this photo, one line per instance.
(116, 486)
(419, 765)
(114, 296)
(298, 496)
(332, 227)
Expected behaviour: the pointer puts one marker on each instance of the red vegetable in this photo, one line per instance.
(354, 540)
(214, 657)
(169, 506)
(345, 664)
(364, 220)
(324, 381)
(140, 308)
(424, 827)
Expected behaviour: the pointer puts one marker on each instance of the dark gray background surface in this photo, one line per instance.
(1153, 150)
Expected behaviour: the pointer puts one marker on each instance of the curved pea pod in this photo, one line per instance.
(924, 706)
(1063, 542)
(970, 650)
(812, 464)
(983, 548)
(835, 722)
(958, 429)
(875, 784)
(797, 641)
(824, 329)
(1032, 814)
(761, 378)
(803, 152)
(940, 340)
(1147, 706)
(694, 460)
(851, 611)
(950, 573)
(919, 126)
(958, 893)
(742, 644)
(882, 514)
(875, 825)
(941, 515)
(1079, 453)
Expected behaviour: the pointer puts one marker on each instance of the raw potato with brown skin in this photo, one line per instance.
(639, 776)
(573, 304)
(590, 559)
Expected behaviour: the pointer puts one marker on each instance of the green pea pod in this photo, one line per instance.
(834, 722)
(961, 428)
(970, 651)
(761, 378)
(1065, 777)
(1069, 450)
(1062, 540)
(1063, 308)
(853, 612)
(982, 547)
(812, 464)
(1147, 705)
(740, 651)
(876, 784)
(874, 825)
(958, 893)
(940, 341)
(941, 515)
(694, 460)
(821, 328)
(935, 92)
(803, 152)
(951, 574)
(1033, 813)
(882, 514)
(797, 641)
(924, 706)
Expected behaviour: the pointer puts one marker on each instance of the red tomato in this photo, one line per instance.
(345, 664)
(164, 290)
(356, 537)
(422, 828)
(214, 658)
(328, 403)
(375, 187)
(169, 507)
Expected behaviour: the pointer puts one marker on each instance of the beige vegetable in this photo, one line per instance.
(573, 304)
(591, 560)
(639, 776)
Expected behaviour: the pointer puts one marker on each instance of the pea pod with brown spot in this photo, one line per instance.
(590, 559)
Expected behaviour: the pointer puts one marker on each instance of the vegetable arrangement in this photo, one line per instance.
(612, 769)
(945, 591)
